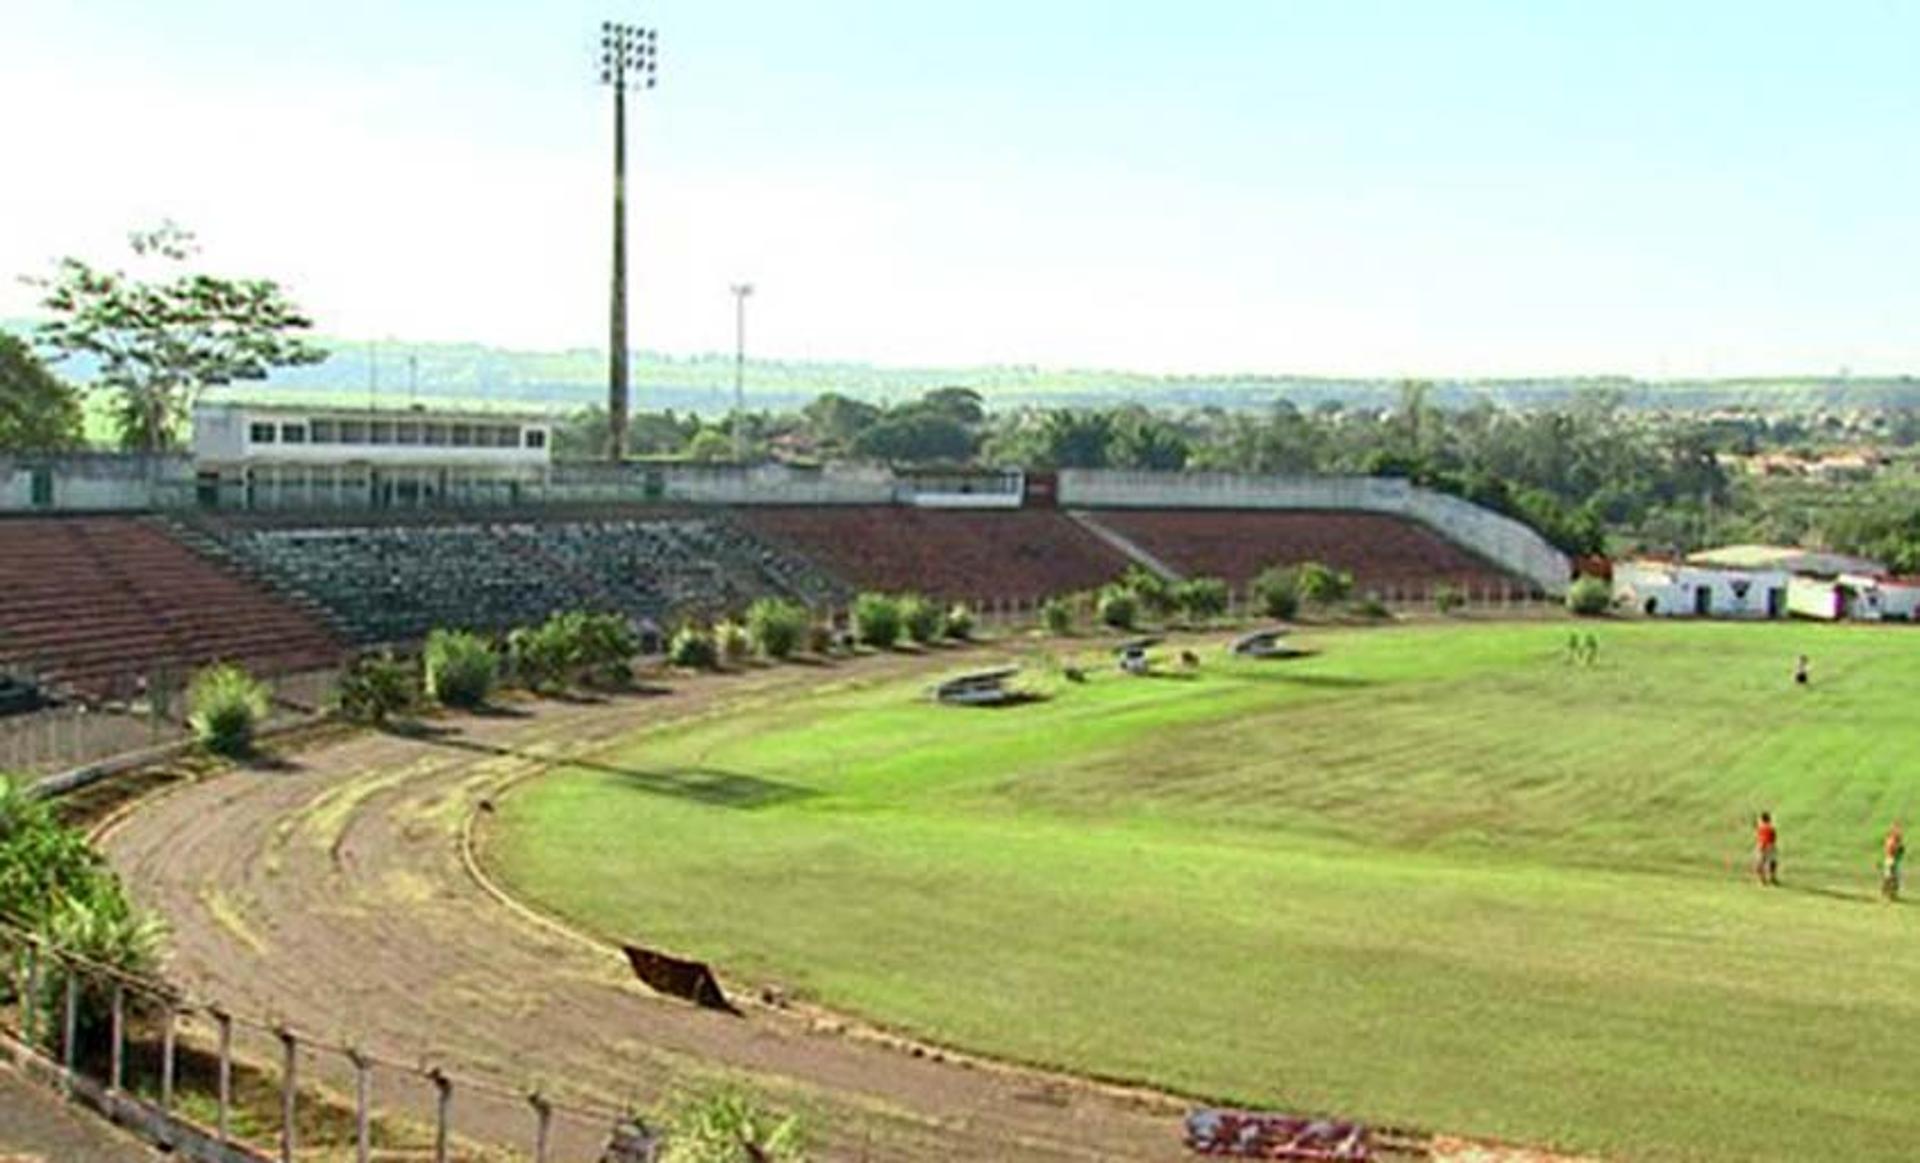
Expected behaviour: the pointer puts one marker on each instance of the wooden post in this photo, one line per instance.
(362, 1105)
(443, 1107)
(72, 1022)
(116, 1073)
(169, 1019)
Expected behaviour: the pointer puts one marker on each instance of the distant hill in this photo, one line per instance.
(563, 380)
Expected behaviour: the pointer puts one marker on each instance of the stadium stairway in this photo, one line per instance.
(95, 604)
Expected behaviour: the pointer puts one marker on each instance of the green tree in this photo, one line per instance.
(778, 626)
(1141, 440)
(710, 446)
(160, 343)
(1201, 598)
(1277, 591)
(915, 437)
(962, 405)
(836, 420)
(1322, 585)
(37, 411)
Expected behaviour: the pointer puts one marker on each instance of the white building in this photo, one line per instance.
(271, 456)
(1667, 589)
(1857, 597)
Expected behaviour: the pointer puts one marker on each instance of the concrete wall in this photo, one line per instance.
(1664, 590)
(1501, 540)
(92, 481)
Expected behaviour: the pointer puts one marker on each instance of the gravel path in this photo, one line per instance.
(37, 1127)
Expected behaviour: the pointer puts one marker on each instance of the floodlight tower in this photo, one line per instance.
(627, 54)
(740, 293)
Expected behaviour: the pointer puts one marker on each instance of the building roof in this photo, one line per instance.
(1791, 559)
(349, 410)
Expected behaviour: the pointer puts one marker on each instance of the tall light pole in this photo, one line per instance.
(626, 53)
(740, 293)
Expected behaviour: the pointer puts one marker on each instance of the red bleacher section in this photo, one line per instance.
(1383, 552)
(93, 602)
(1017, 554)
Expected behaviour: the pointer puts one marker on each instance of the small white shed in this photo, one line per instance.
(1669, 589)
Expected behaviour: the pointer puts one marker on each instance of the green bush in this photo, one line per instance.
(727, 1127)
(921, 619)
(1201, 598)
(693, 648)
(777, 626)
(606, 646)
(1449, 599)
(1118, 607)
(1277, 591)
(377, 687)
(1322, 585)
(959, 622)
(1056, 614)
(1370, 606)
(732, 641)
(544, 657)
(225, 707)
(876, 620)
(461, 668)
(1589, 597)
(1152, 593)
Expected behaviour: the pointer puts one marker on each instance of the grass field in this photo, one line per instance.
(1433, 876)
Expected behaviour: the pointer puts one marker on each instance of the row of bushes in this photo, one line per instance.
(1279, 592)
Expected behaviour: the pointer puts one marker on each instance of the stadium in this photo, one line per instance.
(1357, 882)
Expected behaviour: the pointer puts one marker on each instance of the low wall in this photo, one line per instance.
(1507, 543)
(79, 482)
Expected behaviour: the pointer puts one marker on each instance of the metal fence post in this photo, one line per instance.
(443, 1107)
(542, 1125)
(362, 1104)
(224, 1021)
(117, 1073)
(30, 1005)
(289, 1065)
(71, 1021)
(169, 1018)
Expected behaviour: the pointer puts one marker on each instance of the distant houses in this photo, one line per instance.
(1765, 581)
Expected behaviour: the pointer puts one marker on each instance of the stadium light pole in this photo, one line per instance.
(740, 293)
(627, 54)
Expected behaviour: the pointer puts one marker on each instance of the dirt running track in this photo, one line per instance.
(333, 896)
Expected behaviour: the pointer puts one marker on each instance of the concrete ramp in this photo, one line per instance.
(1124, 544)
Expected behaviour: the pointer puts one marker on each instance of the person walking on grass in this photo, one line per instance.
(1894, 852)
(1766, 846)
(1801, 676)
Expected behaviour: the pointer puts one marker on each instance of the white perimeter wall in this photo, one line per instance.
(1501, 540)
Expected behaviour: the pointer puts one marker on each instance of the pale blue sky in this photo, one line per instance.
(1345, 187)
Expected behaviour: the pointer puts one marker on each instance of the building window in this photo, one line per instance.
(353, 432)
(437, 435)
(463, 436)
(323, 432)
(293, 434)
(505, 437)
(380, 432)
(261, 433)
(536, 438)
(406, 432)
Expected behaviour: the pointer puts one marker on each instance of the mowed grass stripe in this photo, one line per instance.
(1432, 876)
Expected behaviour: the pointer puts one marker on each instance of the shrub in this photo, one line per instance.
(876, 620)
(607, 644)
(1370, 606)
(1118, 607)
(820, 638)
(1277, 591)
(1449, 599)
(728, 1127)
(543, 657)
(461, 668)
(960, 622)
(693, 648)
(377, 687)
(1201, 598)
(1322, 585)
(225, 707)
(1056, 614)
(1151, 591)
(921, 619)
(732, 641)
(777, 626)
(1589, 597)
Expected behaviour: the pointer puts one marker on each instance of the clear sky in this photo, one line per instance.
(1658, 188)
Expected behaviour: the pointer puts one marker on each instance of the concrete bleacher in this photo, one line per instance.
(395, 580)
(96, 603)
(1012, 555)
(1385, 553)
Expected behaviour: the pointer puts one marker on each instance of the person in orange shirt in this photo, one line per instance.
(1893, 854)
(1766, 840)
